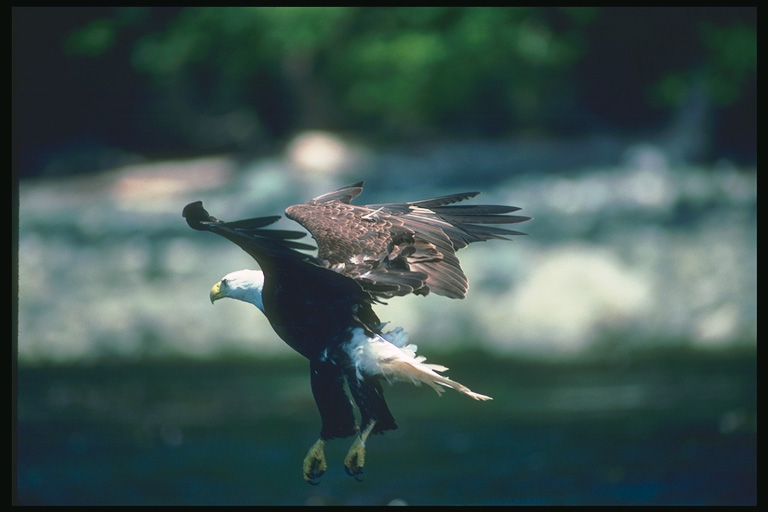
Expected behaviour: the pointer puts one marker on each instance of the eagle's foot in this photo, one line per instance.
(314, 462)
(355, 459)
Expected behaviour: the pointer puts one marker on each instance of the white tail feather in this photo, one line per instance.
(391, 357)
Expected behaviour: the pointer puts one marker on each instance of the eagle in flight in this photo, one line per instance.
(321, 306)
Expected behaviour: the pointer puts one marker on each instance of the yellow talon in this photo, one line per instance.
(314, 462)
(355, 459)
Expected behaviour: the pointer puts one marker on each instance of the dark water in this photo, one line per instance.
(672, 429)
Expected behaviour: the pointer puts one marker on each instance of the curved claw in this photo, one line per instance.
(314, 463)
(312, 476)
(356, 473)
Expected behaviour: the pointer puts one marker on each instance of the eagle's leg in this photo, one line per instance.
(335, 412)
(374, 417)
(355, 459)
(314, 462)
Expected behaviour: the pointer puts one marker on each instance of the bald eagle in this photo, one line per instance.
(321, 306)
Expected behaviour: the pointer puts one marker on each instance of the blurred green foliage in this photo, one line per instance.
(729, 63)
(398, 69)
(237, 77)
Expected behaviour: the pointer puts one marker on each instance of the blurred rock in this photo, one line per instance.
(572, 293)
(643, 254)
(323, 152)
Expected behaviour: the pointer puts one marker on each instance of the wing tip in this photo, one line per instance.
(196, 215)
(344, 194)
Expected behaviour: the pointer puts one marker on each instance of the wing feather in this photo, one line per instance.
(401, 248)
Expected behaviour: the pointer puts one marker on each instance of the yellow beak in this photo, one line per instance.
(217, 293)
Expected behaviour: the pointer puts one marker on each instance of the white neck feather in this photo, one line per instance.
(245, 285)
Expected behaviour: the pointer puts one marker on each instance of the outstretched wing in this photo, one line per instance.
(401, 248)
(275, 251)
(264, 245)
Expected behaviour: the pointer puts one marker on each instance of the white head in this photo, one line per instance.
(245, 285)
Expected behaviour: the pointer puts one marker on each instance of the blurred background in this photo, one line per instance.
(618, 338)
